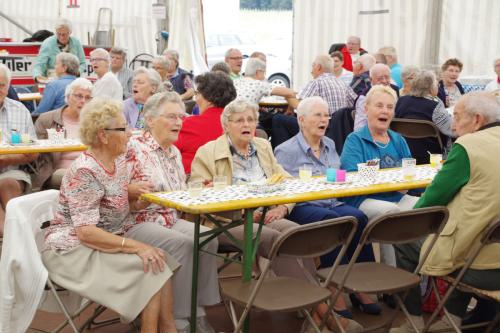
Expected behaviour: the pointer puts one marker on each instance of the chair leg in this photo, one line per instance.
(442, 302)
(493, 323)
(402, 306)
(69, 318)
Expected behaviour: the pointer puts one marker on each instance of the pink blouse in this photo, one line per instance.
(148, 161)
(89, 195)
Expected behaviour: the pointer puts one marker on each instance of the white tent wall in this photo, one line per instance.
(423, 31)
(132, 20)
(186, 33)
(469, 32)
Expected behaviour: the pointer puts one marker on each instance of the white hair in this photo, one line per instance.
(238, 106)
(152, 107)
(4, 70)
(63, 23)
(377, 68)
(308, 104)
(101, 53)
(162, 61)
(228, 52)
(70, 61)
(367, 61)
(325, 61)
(153, 76)
(79, 83)
(483, 103)
(170, 53)
(254, 65)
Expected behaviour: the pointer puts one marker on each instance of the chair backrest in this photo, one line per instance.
(416, 129)
(405, 227)
(340, 126)
(315, 239)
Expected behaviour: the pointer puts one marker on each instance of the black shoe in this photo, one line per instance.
(483, 312)
(370, 308)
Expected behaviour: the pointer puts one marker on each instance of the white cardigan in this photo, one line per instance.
(22, 273)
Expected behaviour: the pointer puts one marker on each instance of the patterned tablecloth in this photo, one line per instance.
(290, 186)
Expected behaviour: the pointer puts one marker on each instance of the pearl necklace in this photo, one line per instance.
(381, 145)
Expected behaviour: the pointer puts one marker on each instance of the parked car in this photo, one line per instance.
(278, 67)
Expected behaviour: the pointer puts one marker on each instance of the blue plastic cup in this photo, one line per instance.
(331, 175)
(15, 137)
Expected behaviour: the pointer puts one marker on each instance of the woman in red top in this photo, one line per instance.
(214, 90)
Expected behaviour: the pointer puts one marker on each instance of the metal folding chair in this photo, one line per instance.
(286, 294)
(490, 235)
(375, 278)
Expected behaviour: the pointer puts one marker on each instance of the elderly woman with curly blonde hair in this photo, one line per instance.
(86, 251)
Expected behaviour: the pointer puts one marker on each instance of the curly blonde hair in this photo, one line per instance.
(96, 115)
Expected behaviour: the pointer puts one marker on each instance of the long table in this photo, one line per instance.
(233, 198)
(42, 146)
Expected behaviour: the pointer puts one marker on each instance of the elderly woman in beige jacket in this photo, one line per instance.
(243, 158)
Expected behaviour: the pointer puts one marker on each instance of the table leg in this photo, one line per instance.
(248, 256)
(194, 282)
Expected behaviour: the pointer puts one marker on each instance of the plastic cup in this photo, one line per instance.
(41, 88)
(305, 172)
(220, 182)
(15, 137)
(25, 138)
(331, 175)
(340, 176)
(435, 160)
(195, 188)
(408, 165)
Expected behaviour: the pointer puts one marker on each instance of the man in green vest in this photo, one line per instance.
(468, 186)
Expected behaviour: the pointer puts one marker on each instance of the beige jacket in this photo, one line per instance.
(214, 158)
(471, 210)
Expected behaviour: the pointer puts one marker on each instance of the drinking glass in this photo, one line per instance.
(408, 165)
(220, 182)
(305, 172)
(195, 188)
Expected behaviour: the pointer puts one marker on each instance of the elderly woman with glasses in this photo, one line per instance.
(243, 158)
(65, 119)
(52, 46)
(146, 83)
(155, 165)
(86, 251)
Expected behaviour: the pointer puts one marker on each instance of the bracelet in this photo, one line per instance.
(123, 242)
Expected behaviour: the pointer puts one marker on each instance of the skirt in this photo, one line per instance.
(114, 280)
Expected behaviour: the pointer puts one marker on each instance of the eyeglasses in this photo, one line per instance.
(119, 129)
(174, 117)
(236, 58)
(241, 121)
(82, 97)
(98, 59)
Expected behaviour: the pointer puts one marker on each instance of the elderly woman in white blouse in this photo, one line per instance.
(155, 165)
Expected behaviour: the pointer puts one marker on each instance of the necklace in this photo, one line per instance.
(381, 145)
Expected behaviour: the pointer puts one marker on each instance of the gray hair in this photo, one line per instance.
(221, 67)
(101, 53)
(377, 68)
(152, 107)
(153, 77)
(228, 52)
(388, 51)
(63, 23)
(423, 83)
(409, 73)
(254, 65)
(118, 51)
(6, 72)
(173, 54)
(325, 61)
(70, 61)
(238, 106)
(162, 61)
(307, 105)
(367, 60)
(483, 103)
(79, 83)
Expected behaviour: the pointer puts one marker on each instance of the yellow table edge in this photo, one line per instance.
(40, 149)
(284, 199)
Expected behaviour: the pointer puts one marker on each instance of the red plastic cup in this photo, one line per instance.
(41, 88)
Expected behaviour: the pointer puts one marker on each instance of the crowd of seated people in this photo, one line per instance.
(101, 220)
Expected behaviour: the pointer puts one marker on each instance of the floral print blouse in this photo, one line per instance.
(148, 161)
(89, 195)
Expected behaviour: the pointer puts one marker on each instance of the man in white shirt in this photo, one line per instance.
(107, 85)
(120, 69)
